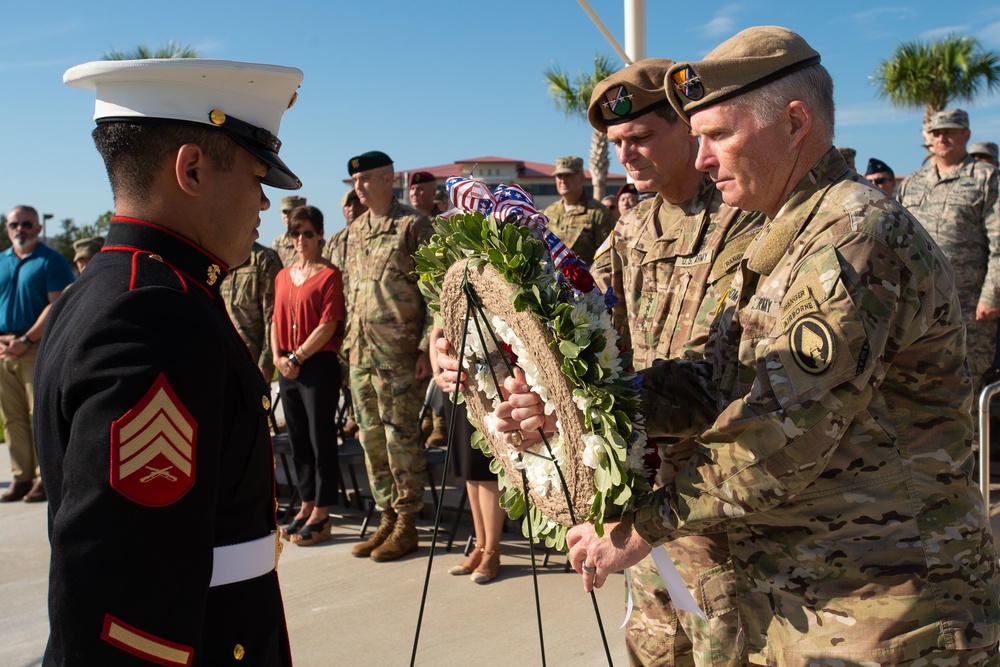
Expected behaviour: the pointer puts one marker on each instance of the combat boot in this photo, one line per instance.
(439, 432)
(381, 534)
(403, 540)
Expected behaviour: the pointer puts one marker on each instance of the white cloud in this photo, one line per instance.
(724, 21)
(938, 33)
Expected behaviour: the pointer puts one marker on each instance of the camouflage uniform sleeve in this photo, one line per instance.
(270, 265)
(781, 420)
(990, 295)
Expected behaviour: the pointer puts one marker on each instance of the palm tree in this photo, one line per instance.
(142, 52)
(573, 98)
(932, 75)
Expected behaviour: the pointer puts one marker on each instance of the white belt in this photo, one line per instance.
(246, 560)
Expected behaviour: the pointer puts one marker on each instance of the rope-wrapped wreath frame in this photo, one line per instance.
(496, 295)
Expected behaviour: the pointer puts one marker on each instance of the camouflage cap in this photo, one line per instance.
(441, 196)
(984, 148)
(88, 247)
(568, 165)
(750, 59)
(288, 203)
(949, 119)
(366, 161)
(849, 155)
(876, 166)
(629, 93)
(349, 196)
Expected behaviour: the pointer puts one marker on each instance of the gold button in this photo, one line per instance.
(266, 402)
(238, 651)
(156, 257)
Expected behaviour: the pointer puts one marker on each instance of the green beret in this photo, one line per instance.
(748, 60)
(366, 161)
(629, 93)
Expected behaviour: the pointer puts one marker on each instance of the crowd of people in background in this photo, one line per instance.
(339, 321)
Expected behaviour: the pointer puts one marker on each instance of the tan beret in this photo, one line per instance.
(748, 60)
(288, 203)
(629, 93)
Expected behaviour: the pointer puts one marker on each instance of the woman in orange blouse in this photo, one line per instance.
(306, 333)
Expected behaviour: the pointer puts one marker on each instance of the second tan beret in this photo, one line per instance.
(748, 60)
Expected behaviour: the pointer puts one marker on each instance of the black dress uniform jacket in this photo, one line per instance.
(150, 419)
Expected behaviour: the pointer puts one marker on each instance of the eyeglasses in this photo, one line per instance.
(308, 233)
(880, 180)
(26, 224)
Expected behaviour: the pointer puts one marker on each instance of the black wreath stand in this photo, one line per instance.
(473, 304)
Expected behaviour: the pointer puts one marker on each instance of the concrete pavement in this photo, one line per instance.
(343, 610)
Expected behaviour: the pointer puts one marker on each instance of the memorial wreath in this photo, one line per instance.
(518, 298)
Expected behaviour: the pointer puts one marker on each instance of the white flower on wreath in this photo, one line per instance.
(593, 450)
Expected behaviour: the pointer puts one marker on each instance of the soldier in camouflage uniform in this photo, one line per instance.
(248, 292)
(581, 222)
(335, 251)
(955, 198)
(832, 409)
(283, 244)
(389, 331)
(670, 260)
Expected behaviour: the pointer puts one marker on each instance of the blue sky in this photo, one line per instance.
(428, 83)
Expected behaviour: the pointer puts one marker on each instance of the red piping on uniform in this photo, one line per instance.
(197, 247)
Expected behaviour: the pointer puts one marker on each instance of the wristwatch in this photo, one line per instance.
(27, 341)
(292, 358)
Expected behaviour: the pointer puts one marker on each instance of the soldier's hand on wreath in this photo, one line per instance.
(985, 313)
(448, 364)
(596, 557)
(522, 413)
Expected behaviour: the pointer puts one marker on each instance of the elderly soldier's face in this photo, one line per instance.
(653, 151)
(748, 163)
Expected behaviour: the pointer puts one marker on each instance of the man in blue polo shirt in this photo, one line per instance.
(32, 276)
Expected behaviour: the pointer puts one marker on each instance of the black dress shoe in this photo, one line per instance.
(16, 491)
(37, 494)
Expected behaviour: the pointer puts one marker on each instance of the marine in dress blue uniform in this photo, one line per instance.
(152, 417)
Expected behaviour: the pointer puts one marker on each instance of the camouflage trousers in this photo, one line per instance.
(980, 345)
(387, 409)
(657, 635)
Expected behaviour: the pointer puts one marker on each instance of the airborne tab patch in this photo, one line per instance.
(811, 343)
(153, 448)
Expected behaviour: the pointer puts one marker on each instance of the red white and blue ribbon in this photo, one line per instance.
(506, 201)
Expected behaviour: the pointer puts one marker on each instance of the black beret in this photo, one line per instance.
(876, 166)
(366, 161)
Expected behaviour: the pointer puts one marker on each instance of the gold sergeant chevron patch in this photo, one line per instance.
(153, 448)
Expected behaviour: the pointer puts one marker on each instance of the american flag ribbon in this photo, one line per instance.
(503, 202)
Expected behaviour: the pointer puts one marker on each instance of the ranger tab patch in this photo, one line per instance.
(811, 342)
(153, 448)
